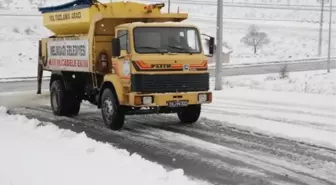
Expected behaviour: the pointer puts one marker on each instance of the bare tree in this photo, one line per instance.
(255, 38)
(284, 72)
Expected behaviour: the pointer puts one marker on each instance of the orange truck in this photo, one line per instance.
(125, 57)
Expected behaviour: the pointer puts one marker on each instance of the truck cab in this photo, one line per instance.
(158, 58)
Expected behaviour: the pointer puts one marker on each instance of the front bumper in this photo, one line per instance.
(162, 99)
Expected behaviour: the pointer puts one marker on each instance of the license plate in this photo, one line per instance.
(181, 103)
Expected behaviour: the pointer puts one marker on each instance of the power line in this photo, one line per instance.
(248, 5)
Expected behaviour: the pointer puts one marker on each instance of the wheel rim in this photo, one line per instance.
(108, 110)
(54, 100)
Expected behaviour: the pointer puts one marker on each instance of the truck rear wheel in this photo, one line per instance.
(57, 98)
(113, 116)
(190, 114)
(63, 103)
(73, 105)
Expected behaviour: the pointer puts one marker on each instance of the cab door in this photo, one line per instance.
(122, 64)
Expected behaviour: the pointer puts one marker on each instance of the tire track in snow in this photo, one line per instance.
(193, 162)
(210, 154)
(322, 120)
(220, 133)
(139, 132)
(282, 150)
(243, 127)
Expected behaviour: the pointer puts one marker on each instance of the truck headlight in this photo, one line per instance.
(202, 98)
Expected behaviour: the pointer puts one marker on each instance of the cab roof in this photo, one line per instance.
(155, 24)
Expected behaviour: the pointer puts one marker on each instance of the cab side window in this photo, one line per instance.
(124, 41)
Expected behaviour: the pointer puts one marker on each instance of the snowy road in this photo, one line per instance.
(209, 150)
(222, 147)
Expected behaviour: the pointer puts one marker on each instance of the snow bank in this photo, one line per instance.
(32, 154)
(315, 82)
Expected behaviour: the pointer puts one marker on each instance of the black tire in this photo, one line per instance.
(63, 103)
(74, 105)
(113, 116)
(190, 114)
(58, 98)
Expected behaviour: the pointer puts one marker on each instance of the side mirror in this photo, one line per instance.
(211, 45)
(115, 47)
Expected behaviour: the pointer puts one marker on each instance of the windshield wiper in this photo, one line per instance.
(150, 47)
(180, 48)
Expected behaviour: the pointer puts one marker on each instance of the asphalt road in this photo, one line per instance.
(209, 150)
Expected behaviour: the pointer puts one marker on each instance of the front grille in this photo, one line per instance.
(160, 83)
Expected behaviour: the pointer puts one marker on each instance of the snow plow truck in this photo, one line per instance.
(126, 58)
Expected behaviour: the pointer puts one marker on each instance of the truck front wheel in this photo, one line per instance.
(113, 116)
(190, 114)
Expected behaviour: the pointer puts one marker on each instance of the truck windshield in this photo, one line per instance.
(166, 39)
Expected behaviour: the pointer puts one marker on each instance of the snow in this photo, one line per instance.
(289, 39)
(18, 44)
(34, 153)
(302, 107)
(315, 82)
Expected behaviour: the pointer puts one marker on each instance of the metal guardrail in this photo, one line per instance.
(17, 79)
(265, 68)
(320, 59)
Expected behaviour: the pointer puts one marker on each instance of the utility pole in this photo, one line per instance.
(329, 47)
(219, 47)
(321, 27)
(168, 6)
